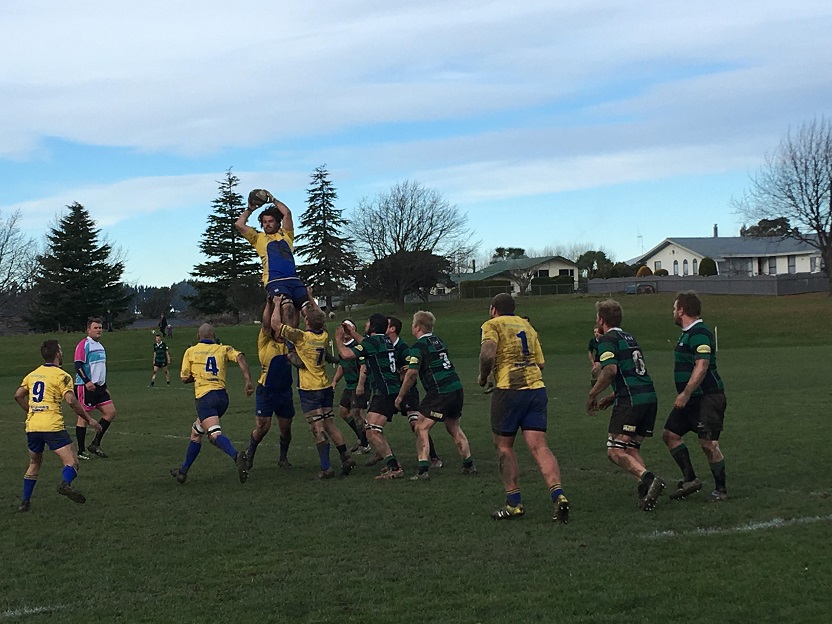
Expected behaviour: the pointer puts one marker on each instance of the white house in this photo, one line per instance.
(734, 255)
(525, 269)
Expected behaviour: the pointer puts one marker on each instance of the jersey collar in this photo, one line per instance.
(684, 329)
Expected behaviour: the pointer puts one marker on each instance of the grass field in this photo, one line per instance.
(286, 547)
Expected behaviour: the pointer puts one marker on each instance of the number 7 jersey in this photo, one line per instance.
(207, 362)
(519, 355)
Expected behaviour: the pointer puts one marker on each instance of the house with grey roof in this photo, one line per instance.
(519, 272)
(734, 255)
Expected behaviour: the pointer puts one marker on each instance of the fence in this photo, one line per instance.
(786, 284)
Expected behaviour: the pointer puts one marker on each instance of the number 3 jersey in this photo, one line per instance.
(47, 386)
(429, 357)
(207, 362)
(516, 364)
(631, 384)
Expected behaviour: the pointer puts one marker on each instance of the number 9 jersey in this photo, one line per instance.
(207, 361)
(519, 355)
(47, 386)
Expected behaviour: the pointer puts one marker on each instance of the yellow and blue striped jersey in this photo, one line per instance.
(311, 348)
(47, 386)
(516, 365)
(207, 362)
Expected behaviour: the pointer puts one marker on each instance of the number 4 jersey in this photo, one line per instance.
(632, 384)
(207, 362)
(519, 355)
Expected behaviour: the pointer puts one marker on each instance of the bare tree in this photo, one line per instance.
(18, 261)
(795, 183)
(410, 217)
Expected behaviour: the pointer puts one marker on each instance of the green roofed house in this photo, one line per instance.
(734, 255)
(519, 275)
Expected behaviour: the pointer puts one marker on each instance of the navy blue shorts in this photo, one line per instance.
(271, 401)
(214, 403)
(37, 440)
(518, 409)
(290, 287)
(311, 400)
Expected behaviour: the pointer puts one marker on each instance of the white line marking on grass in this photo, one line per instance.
(14, 613)
(774, 523)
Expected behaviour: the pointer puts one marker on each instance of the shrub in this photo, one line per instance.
(660, 272)
(707, 267)
(644, 271)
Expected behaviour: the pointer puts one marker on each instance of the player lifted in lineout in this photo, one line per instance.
(275, 246)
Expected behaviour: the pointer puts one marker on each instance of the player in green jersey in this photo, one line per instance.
(380, 361)
(700, 404)
(592, 354)
(161, 359)
(633, 399)
(352, 407)
(428, 359)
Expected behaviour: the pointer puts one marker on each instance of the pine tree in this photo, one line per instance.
(229, 279)
(77, 277)
(331, 260)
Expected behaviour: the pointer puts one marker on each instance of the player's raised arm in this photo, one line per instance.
(286, 223)
(241, 222)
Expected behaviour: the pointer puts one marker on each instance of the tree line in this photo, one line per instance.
(404, 241)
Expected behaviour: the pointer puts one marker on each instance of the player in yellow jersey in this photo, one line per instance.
(275, 248)
(314, 387)
(40, 395)
(204, 365)
(273, 396)
(511, 350)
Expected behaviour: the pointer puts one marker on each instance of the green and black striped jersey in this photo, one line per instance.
(429, 356)
(631, 384)
(696, 343)
(380, 358)
(350, 368)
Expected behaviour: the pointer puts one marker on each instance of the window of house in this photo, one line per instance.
(440, 291)
(685, 268)
(792, 264)
(657, 265)
(569, 272)
(772, 266)
(675, 267)
(695, 266)
(542, 273)
(813, 264)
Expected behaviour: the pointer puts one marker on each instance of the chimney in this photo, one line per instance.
(474, 266)
(716, 230)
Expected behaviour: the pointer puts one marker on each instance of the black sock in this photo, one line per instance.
(353, 426)
(105, 424)
(81, 437)
(718, 470)
(682, 457)
(252, 447)
(393, 463)
(342, 451)
(432, 449)
(284, 445)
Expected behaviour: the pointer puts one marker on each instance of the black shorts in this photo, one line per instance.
(350, 400)
(92, 399)
(160, 364)
(384, 404)
(633, 420)
(441, 407)
(703, 414)
(410, 403)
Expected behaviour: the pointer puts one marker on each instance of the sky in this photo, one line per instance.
(549, 123)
